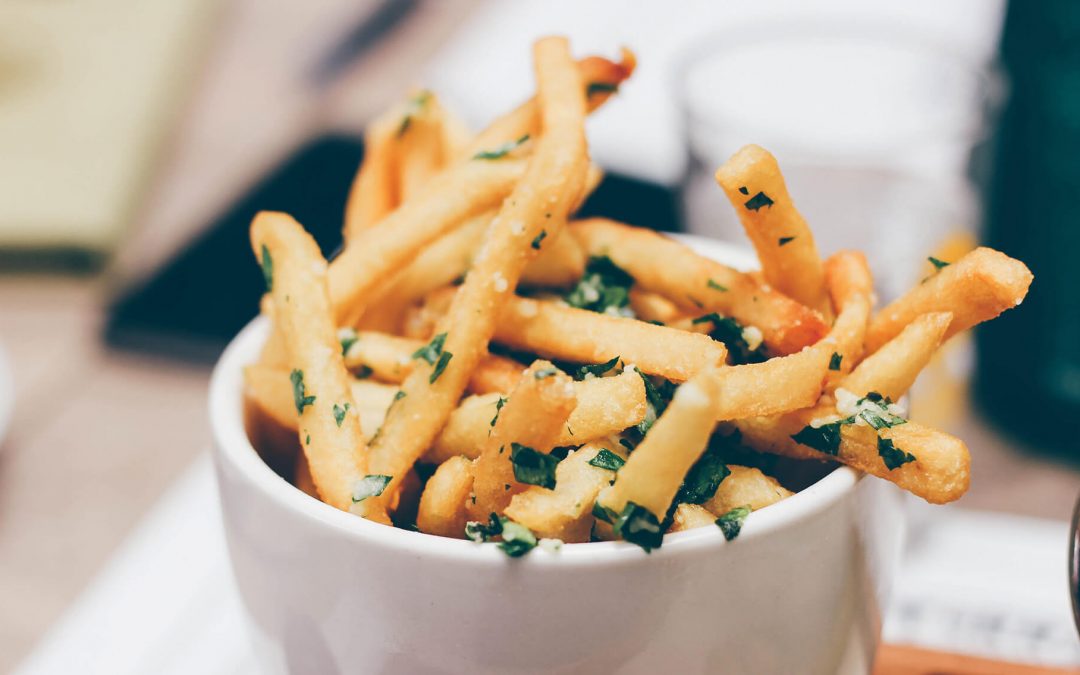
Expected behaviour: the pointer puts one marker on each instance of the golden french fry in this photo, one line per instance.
(605, 406)
(940, 472)
(555, 330)
(892, 369)
(390, 358)
(975, 288)
(778, 385)
(533, 418)
(783, 241)
(653, 307)
(329, 427)
(654, 471)
(746, 486)
(460, 192)
(442, 504)
(851, 288)
(559, 264)
(374, 191)
(566, 511)
(690, 517)
(700, 285)
(600, 79)
(552, 182)
(420, 138)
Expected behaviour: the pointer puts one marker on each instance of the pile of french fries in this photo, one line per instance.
(478, 364)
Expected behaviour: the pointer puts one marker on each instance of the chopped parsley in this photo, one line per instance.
(744, 190)
(606, 459)
(657, 397)
(532, 467)
(371, 485)
(502, 150)
(498, 409)
(757, 201)
(415, 107)
(703, 479)
(937, 263)
(638, 525)
(601, 88)
(517, 540)
(731, 522)
(834, 361)
(440, 366)
(398, 395)
(729, 331)
(824, 438)
(893, 456)
(339, 413)
(874, 410)
(596, 369)
(603, 288)
(786, 240)
(347, 337)
(539, 238)
(267, 264)
(545, 372)
(715, 286)
(432, 350)
(363, 372)
(299, 395)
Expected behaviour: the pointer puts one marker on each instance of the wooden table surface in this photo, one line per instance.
(98, 435)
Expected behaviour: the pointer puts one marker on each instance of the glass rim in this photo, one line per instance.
(991, 85)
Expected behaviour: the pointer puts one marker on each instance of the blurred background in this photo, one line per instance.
(138, 139)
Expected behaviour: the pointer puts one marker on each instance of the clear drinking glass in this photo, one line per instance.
(879, 134)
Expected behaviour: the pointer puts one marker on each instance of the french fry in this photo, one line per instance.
(778, 385)
(419, 138)
(554, 330)
(559, 263)
(534, 417)
(390, 359)
(553, 180)
(976, 288)
(690, 517)
(464, 190)
(746, 486)
(329, 427)
(600, 78)
(653, 307)
(374, 191)
(699, 285)
(783, 241)
(851, 288)
(442, 503)
(892, 369)
(605, 406)
(654, 471)
(566, 512)
(940, 473)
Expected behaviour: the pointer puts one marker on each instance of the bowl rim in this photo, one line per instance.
(232, 446)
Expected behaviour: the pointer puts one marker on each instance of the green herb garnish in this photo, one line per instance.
(432, 350)
(731, 522)
(539, 238)
(939, 264)
(545, 372)
(786, 240)
(517, 540)
(502, 151)
(415, 107)
(347, 337)
(638, 525)
(834, 361)
(703, 479)
(440, 366)
(267, 264)
(601, 88)
(715, 286)
(730, 332)
(596, 369)
(398, 395)
(481, 532)
(893, 456)
(363, 372)
(606, 459)
(874, 410)
(371, 485)
(498, 408)
(339, 413)
(657, 398)
(744, 190)
(532, 467)
(299, 397)
(825, 438)
(757, 201)
(603, 288)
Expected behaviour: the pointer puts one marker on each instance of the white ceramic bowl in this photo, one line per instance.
(800, 591)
